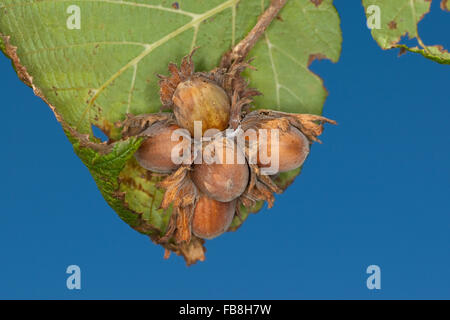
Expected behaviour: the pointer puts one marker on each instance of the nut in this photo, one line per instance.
(212, 218)
(155, 153)
(292, 147)
(227, 177)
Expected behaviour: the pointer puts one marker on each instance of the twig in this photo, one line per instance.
(241, 50)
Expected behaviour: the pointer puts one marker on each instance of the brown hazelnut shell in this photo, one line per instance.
(222, 181)
(211, 217)
(293, 148)
(155, 152)
(200, 99)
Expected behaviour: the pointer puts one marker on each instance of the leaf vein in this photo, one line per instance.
(118, 2)
(130, 94)
(292, 93)
(28, 53)
(274, 70)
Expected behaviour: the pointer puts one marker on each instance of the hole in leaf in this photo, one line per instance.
(99, 134)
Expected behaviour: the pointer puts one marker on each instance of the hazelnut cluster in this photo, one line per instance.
(205, 196)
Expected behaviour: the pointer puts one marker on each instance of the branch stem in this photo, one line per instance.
(241, 50)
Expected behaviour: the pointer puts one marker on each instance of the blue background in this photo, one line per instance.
(375, 192)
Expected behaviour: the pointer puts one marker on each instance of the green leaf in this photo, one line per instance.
(305, 31)
(140, 192)
(400, 18)
(95, 75)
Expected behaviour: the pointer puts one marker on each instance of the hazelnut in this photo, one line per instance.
(225, 178)
(212, 218)
(292, 148)
(199, 99)
(155, 153)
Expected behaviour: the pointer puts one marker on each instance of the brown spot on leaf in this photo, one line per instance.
(280, 18)
(317, 2)
(22, 72)
(444, 5)
(315, 56)
(118, 195)
(401, 52)
(392, 25)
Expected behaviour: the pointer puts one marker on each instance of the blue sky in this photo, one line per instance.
(375, 192)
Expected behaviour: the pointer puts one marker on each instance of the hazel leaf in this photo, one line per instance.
(94, 61)
(400, 18)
